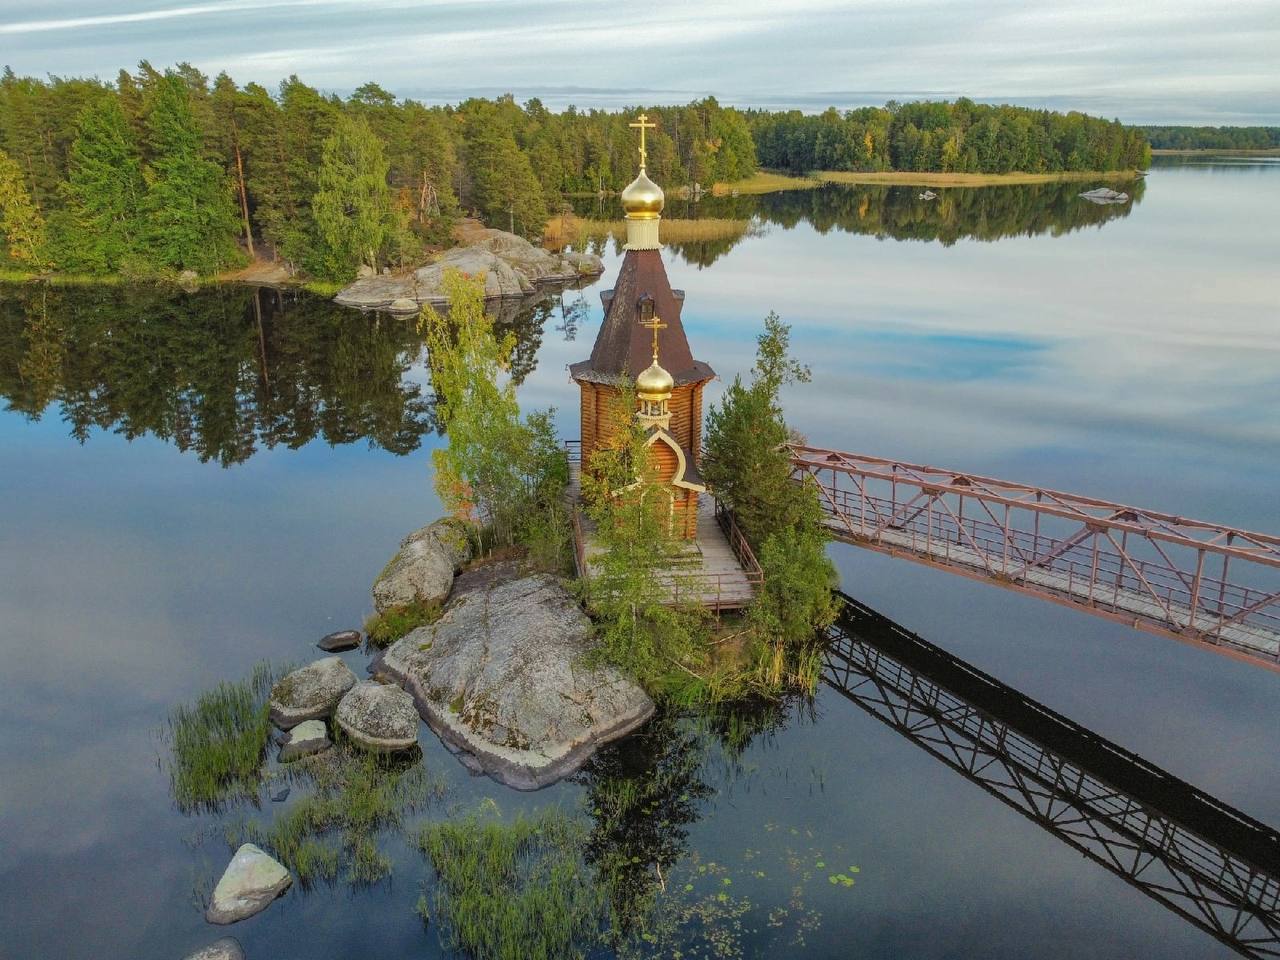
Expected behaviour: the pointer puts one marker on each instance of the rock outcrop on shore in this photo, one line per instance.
(512, 268)
(501, 678)
(423, 568)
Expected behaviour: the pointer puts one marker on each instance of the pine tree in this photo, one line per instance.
(355, 222)
(192, 217)
(226, 106)
(21, 224)
(104, 192)
(503, 185)
(307, 119)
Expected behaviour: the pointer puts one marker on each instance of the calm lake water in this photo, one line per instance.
(189, 484)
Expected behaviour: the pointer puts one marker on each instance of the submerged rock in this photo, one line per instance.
(280, 796)
(1103, 195)
(500, 677)
(379, 717)
(228, 948)
(308, 737)
(251, 881)
(310, 692)
(424, 566)
(510, 267)
(339, 641)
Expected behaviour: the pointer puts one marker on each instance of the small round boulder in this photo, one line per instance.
(339, 641)
(306, 738)
(310, 692)
(378, 717)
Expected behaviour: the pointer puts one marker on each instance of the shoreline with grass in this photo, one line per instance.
(570, 229)
(321, 288)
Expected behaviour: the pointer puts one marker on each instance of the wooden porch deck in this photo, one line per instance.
(710, 572)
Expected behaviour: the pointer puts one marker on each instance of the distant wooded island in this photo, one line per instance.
(1212, 138)
(165, 171)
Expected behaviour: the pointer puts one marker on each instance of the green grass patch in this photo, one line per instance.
(516, 890)
(322, 288)
(764, 181)
(384, 629)
(218, 742)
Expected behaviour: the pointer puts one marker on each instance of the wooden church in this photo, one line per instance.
(643, 339)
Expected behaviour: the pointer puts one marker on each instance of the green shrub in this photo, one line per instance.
(384, 629)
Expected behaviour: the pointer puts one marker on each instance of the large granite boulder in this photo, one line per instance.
(423, 568)
(310, 693)
(509, 266)
(500, 677)
(378, 716)
(535, 263)
(251, 881)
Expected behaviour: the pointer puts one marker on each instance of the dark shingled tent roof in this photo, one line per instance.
(623, 346)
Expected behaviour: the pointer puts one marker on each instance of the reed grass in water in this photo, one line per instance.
(218, 742)
(356, 795)
(515, 890)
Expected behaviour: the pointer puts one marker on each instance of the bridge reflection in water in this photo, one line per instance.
(1212, 865)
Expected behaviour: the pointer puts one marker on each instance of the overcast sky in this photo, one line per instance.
(1177, 61)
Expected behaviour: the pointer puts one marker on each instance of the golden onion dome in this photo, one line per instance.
(654, 383)
(643, 199)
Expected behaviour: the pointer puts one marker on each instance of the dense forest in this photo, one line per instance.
(961, 137)
(1213, 138)
(162, 171)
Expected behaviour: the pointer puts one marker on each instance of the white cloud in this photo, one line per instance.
(1174, 59)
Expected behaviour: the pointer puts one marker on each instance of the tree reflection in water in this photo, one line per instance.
(644, 794)
(897, 213)
(227, 371)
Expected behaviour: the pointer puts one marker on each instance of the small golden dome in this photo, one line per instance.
(643, 199)
(654, 383)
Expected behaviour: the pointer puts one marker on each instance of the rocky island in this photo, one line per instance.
(511, 267)
(503, 678)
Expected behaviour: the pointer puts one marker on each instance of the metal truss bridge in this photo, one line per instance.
(1203, 583)
(1210, 864)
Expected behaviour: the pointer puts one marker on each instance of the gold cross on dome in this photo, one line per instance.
(655, 324)
(643, 124)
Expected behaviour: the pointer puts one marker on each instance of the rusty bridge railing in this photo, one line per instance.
(1200, 582)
